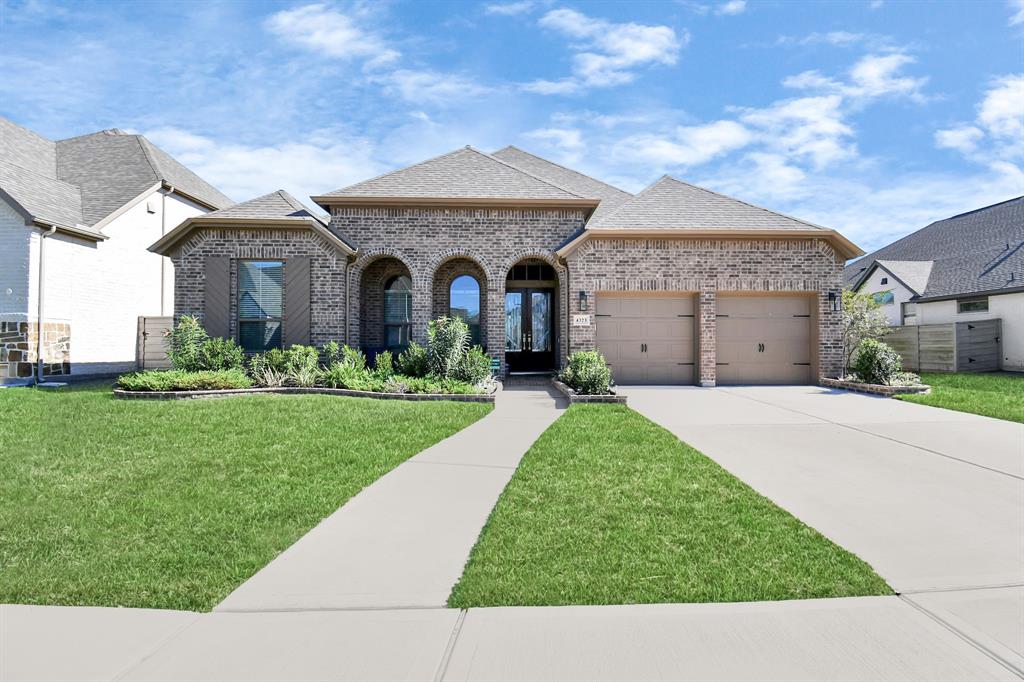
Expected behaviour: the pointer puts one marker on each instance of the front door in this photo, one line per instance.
(529, 330)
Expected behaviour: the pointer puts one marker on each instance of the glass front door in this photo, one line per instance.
(529, 330)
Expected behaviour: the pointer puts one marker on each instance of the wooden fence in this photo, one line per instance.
(150, 351)
(952, 347)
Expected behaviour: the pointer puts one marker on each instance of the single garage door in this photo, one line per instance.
(647, 339)
(763, 340)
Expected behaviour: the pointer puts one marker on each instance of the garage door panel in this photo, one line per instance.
(664, 325)
(763, 340)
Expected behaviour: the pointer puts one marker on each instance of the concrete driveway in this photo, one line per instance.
(932, 499)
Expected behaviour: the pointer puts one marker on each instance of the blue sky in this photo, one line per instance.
(874, 117)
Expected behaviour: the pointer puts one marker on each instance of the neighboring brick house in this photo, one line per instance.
(76, 217)
(674, 285)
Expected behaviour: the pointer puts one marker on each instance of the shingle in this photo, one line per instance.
(44, 198)
(183, 179)
(982, 250)
(279, 204)
(913, 273)
(466, 173)
(611, 197)
(673, 204)
(21, 147)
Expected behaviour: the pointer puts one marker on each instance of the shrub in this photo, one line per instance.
(906, 379)
(384, 364)
(331, 352)
(474, 367)
(184, 342)
(179, 380)
(273, 359)
(217, 353)
(341, 375)
(353, 357)
(299, 357)
(863, 318)
(587, 373)
(413, 362)
(876, 362)
(404, 384)
(447, 341)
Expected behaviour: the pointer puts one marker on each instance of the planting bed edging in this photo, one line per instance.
(876, 389)
(193, 395)
(575, 397)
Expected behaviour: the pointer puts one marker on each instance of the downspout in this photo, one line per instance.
(41, 299)
(163, 259)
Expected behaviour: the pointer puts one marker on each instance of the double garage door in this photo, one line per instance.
(652, 339)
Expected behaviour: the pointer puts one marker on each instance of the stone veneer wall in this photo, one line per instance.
(426, 239)
(328, 270)
(706, 267)
(18, 347)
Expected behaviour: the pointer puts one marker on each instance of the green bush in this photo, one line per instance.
(474, 367)
(184, 342)
(876, 362)
(413, 362)
(404, 384)
(178, 380)
(217, 353)
(331, 352)
(341, 375)
(353, 357)
(447, 342)
(587, 373)
(384, 364)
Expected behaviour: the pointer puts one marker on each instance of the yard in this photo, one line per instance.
(174, 504)
(993, 395)
(609, 508)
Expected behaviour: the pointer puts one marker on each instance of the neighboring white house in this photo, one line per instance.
(76, 217)
(965, 268)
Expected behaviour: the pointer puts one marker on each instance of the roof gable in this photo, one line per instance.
(279, 204)
(673, 204)
(465, 173)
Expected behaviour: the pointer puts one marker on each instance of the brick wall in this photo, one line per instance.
(328, 272)
(705, 267)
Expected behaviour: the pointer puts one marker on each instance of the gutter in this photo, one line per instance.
(163, 260)
(41, 301)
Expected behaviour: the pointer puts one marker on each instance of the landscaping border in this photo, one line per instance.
(575, 397)
(226, 393)
(875, 389)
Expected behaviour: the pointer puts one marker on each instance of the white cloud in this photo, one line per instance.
(431, 87)
(687, 146)
(331, 32)
(732, 7)
(1002, 110)
(810, 129)
(509, 9)
(567, 139)
(1017, 7)
(875, 4)
(874, 75)
(964, 139)
(322, 162)
(607, 53)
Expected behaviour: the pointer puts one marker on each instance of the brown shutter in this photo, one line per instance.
(217, 296)
(296, 301)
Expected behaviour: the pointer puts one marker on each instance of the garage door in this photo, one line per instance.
(647, 339)
(763, 340)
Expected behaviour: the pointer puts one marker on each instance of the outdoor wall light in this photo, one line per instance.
(835, 301)
(583, 300)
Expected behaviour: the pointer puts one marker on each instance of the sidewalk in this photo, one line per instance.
(403, 541)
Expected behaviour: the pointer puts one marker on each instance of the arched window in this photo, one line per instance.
(464, 302)
(397, 312)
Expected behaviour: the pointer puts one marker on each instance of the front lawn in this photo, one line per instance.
(609, 508)
(993, 395)
(173, 504)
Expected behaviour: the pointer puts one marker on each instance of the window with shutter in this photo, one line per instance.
(260, 287)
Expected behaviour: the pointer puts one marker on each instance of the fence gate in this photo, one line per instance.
(150, 348)
(951, 347)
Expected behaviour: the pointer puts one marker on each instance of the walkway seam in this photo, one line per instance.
(163, 642)
(446, 657)
(329, 609)
(975, 644)
(969, 588)
(876, 435)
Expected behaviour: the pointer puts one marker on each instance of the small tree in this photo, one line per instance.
(863, 319)
(184, 342)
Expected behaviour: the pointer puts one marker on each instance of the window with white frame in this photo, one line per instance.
(977, 304)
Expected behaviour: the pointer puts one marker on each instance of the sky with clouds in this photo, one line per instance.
(874, 117)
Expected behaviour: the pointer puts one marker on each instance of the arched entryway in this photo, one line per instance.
(385, 305)
(531, 304)
(460, 290)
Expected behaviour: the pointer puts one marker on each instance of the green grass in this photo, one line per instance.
(174, 504)
(993, 395)
(609, 508)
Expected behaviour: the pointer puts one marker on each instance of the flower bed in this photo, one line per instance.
(876, 389)
(224, 393)
(574, 397)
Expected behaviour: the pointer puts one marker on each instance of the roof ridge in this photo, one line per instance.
(571, 170)
(976, 210)
(632, 198)
(120, 133)
(525, 172)
(398, 170)
(153, 165)
(740, 201)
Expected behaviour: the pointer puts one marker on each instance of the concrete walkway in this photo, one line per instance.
(403, 541)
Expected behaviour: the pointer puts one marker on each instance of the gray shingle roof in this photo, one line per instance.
(611, 197)
(465, 173)
(279, 204)
(673, 204)
(913, 273)
(982, 250)
(83, 180)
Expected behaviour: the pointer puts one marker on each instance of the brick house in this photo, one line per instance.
(676, 284)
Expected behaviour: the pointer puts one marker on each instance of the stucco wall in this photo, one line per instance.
(900, 294)
(706, 267)
(1008, 307)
